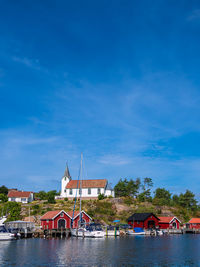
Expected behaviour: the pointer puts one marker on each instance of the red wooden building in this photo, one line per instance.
(194, 223)
(144, 220)
(61, 219)
(169, 223)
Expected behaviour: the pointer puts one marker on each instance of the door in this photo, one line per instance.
(61, 223)
(151, 224)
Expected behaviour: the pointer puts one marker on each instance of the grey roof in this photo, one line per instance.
(141, 216)
(66, 173)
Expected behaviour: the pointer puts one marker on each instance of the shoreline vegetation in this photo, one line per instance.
(130, 196)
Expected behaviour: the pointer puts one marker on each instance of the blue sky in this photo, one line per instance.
(116, 80)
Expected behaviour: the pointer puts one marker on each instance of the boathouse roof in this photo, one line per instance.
(97, 183)
(195, 220)
(141, 216)
(167, 219)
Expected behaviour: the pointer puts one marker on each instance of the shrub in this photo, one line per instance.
(101, 196)
(66, 199)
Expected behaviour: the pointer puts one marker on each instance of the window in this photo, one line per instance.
(65, 190)
(70, 191)
(65, 178)
(98, 191)
(12, 199)
(89, 191)
(23, 199)
(47, 221)
(80, 191)
(62, 214)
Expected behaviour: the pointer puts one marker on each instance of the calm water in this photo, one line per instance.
(177, 250)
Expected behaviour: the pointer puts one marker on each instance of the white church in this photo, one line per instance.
(90, 188)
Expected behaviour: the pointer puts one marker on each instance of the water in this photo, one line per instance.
(174, 250)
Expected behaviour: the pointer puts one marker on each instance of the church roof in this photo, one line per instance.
(97, 183)
(66, 173)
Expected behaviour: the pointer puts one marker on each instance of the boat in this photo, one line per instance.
(4, 233)
(136, 231)
(91, 230)
(84, 230)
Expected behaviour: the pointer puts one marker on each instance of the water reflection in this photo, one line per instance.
(180, 250)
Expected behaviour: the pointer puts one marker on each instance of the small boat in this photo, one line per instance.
(4, 233)
(136, 231)
(92, 231)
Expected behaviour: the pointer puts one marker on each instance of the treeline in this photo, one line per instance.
(142, 191)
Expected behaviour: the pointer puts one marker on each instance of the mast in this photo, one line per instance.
(81, 177)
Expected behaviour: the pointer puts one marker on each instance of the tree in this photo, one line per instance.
(3, 190)
(188, 200)
(13, 210)
(3, 198)
(162, 197)
(175, 200)
(51, 199)
(126, 188)
(145, 195)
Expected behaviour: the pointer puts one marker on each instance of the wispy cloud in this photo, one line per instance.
(30, 63)
(195, 15)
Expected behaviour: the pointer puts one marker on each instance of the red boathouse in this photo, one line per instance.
(61, 219)
(144, 220)
(194, 223)
(169, 223)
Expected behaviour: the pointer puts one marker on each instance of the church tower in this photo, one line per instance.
(65, 180)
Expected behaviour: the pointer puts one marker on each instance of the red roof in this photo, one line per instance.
(70, 213)
(50, 214)
(15, 193)
(98, 183)
(167, 219)
(195, 220)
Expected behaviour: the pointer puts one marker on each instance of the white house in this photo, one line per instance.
(90, 188)
(20, 196)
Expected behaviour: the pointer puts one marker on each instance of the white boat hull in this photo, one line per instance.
(84, 233)
(131, 232)
(6, 236)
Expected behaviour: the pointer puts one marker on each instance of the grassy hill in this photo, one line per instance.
(104, 211)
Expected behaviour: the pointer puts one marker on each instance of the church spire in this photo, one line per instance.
(66, 173)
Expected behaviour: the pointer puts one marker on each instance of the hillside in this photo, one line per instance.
(104, 211)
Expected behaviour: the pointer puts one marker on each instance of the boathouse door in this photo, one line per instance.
(61, 223)
(151, 224)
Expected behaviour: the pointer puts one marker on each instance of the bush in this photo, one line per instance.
(101, 196)
(66, 199)
(51, 199)
(110, 196)
(128, 201)
(3, 198)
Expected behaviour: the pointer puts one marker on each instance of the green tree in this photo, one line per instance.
(51, 199)
(188, 200)
(175, 200)
(42, 195)
(3, 190)
(121, 188)
(162, 197)
(3, 198)
(126, 188)
(13, 210)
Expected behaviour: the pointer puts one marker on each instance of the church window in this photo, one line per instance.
(89, 191)
(70, 191)
(65, 190)
(80, 191)
(65, 178)
(98, 191)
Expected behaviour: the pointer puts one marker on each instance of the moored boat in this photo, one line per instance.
(4, 233)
